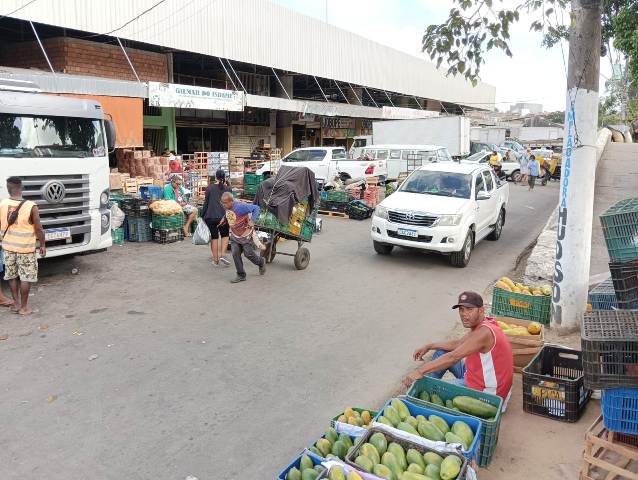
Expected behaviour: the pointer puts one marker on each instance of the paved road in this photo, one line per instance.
(194, 376)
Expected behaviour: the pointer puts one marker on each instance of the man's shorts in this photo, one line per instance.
(188, 209)
(20, 265)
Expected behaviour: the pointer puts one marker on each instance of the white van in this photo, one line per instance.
(358, 144)
(407, 158)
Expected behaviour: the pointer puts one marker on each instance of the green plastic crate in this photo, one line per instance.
(250, 189)
(620, 229)
(447, 391)
(117, 235)
(373, 414)
(168, 222)
(519, 305)
(252, 179)
(338, 196)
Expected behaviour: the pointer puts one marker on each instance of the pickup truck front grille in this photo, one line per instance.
(412, 218)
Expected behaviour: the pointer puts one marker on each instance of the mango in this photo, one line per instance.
(336, 473)
(354, 476)
(434, 398)
(331, 435)
(385, 421)
(406, 427)
(391, 414)
(293, 474)
(398, 452)
(433, 471)
(401, 408)
(425, 396)
(415, 468)
(450, 467)
(440, 423)
(432, 458)
(384, 472)
(324, 446)
(379, 441)
(414, 457)
(306, 462)
(365, 463)
(309, 474)
(339, 449)
(371, 452)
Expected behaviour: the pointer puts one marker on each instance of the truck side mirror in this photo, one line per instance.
(111, 135)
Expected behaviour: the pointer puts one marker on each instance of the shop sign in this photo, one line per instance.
(337, 132)
(306, 117)
(189, 96)
(337, 123)
(366, 124)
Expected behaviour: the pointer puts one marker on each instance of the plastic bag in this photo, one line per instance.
(117, 216)
(202, 233)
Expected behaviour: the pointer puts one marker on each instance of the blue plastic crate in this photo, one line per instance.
(620, 410)
(150, 192)
(603, 296)
(297, 462)
(474, 423)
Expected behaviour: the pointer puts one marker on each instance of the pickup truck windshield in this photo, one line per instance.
(444, 184)
(34, 136)
(306, 156)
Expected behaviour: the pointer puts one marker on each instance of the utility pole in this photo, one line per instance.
(576, 202)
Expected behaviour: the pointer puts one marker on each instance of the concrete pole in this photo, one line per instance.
(576, 201)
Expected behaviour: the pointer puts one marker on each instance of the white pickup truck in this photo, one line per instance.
(329, 162)
(512, 168)
(442, 207)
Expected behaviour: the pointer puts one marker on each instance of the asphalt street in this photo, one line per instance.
(149, 364)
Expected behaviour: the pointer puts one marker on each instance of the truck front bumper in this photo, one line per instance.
(436, 239)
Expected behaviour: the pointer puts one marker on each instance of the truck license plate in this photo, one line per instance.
(57, 234)
(406, 232)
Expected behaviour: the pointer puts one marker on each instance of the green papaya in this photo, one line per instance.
(401, 408)
(345, 438)
(391, 414)
(331, 435)
(451, 437)
(449, 404)
(306, 462)
(293, 474)
(309, 474)
(474, 407)
(378, 440)
(334, 457)
(412, 456)
(398, 452)
(432, 458)
(324, 446)
(365, 463)
(434, 398)
(412, 421)
(420, 418)
(424, 395)
(450, 467)
(430, 431)
(406, 427)
(390, 460)
(385, 421)
(413, 476)
(440, 423)
(464, 431)
(384, 472)
(339, 449)
(336, 473)
(315, 450)
(415, 468)
(371, 452)
(319, 468)
(433, 471)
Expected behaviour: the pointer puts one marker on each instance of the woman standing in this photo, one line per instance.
(213, 212)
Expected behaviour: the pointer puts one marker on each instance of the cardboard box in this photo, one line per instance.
(159, 182)
(129, 154)
(137, 154)
(146, 153)
(115, 181)
(163, 160)
(524, 347)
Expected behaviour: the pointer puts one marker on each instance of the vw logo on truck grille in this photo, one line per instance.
(54, 191)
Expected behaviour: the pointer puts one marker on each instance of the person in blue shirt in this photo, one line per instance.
(241, 218)
(534, 171)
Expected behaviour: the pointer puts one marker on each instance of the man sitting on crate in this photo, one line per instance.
(481, 360)
(175, 191)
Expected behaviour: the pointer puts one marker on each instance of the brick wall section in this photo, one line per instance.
(83, 57)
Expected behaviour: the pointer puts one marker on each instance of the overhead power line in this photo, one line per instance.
(130, 21)
(18, 9)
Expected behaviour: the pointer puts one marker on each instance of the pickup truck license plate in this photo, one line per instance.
(406, 232)
(57, 234)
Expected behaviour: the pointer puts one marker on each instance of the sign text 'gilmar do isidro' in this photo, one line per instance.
(189, 96)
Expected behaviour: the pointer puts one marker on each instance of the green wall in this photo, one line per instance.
(166, 120)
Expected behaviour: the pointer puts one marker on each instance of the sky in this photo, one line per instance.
(534, 74)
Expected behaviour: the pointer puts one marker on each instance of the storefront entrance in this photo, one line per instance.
(201, 139)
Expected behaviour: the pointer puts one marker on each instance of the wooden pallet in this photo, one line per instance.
(606, 459)
(330, 213)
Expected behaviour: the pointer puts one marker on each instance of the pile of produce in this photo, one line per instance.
(165, 207)
(533, 328)
(390, 461)
(332, 445)
(307, 470)
(433, 428)
(462, 403)
(337, 473)
(508, 285)
(352, 417)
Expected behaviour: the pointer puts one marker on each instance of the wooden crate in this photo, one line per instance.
(606, 459)
(524, 348)
(130, 185)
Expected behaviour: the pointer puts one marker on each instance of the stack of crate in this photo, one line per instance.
(140, 164)
(251, 184)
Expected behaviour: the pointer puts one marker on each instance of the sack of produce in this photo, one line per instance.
(165, 207)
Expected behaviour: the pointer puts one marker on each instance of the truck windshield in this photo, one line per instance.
(35, 136)
(444, 184)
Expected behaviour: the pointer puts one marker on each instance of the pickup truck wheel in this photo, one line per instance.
(461, 258)
(382, 248)
(498, 227)
(516, 176)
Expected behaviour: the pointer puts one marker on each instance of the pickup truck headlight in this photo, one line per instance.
(449, 220)
(381, 212)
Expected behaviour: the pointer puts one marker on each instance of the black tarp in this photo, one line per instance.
(291, 185)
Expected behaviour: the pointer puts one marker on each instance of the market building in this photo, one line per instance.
(222, 76)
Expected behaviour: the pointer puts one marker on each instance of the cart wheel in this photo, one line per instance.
(302, 258)
(270, 252)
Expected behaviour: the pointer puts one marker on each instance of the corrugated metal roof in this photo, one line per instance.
(261, 33)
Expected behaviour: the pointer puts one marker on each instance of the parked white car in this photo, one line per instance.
(329, 162)
(512, 168)
(442, 207)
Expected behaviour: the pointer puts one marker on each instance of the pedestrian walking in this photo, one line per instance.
(213, 212)
(19, 228)
(524, 162)
(534, 170)
(4, 300)
(240, 217)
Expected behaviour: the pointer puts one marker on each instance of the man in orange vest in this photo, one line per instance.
(19, 228)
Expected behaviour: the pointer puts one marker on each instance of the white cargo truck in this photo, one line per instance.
(495, 135)
(452, 132)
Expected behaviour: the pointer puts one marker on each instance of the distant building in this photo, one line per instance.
(526, 108)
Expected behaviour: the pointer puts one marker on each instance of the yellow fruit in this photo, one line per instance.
(516, 290)
(519, 285)
(352, 421)
(503, 286)
(503, 325)
(534, 328)
(507, 281)
(354, 476)
(342, 419)
(365, 416)
(348, 412)
(546, 291)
